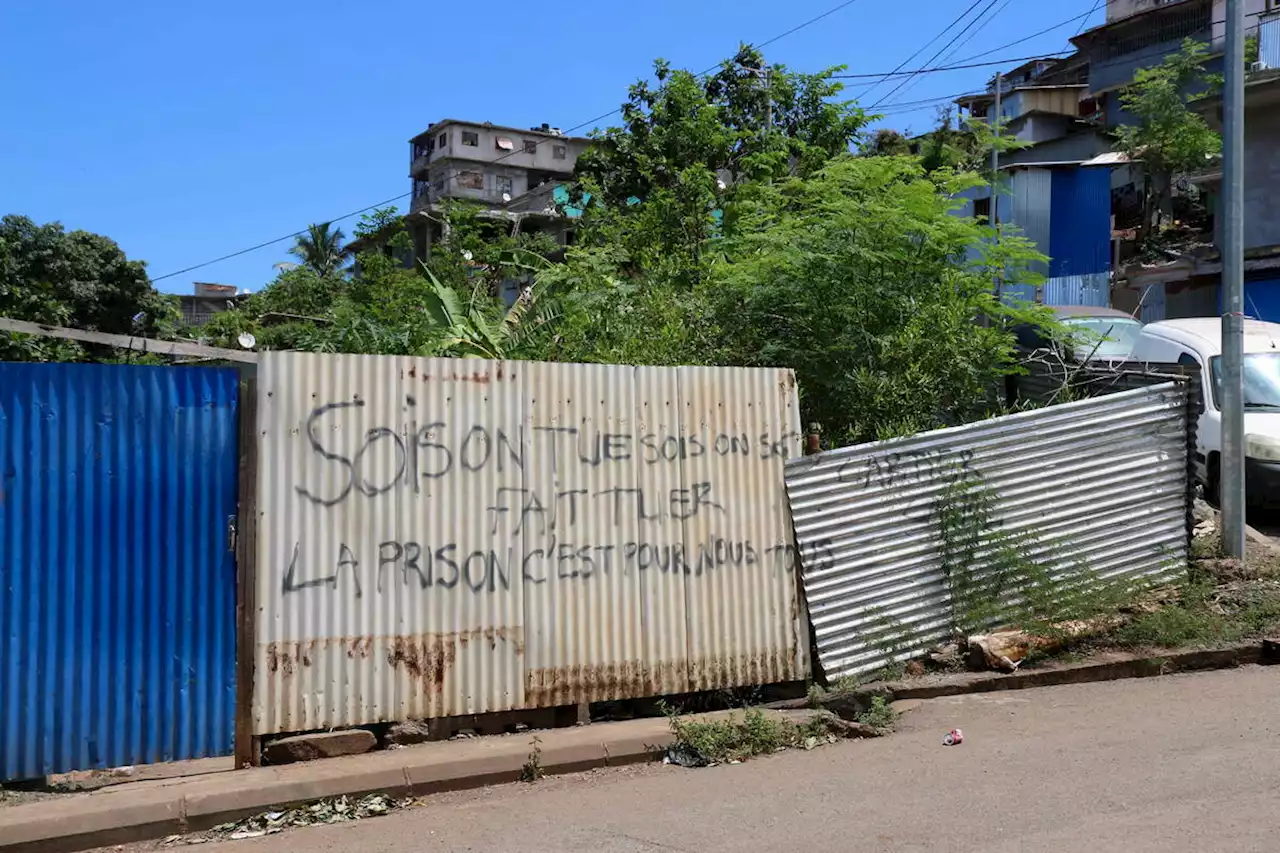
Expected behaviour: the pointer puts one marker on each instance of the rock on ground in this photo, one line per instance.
(319, 745)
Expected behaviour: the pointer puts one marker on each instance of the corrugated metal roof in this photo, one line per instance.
(1100, 483)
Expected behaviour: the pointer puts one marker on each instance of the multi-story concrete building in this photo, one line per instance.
(503, 168)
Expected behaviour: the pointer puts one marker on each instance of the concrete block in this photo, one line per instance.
(319, 745)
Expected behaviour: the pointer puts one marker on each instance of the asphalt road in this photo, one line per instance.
(1169, 764)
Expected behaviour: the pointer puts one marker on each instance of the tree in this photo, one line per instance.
(851, 270)
(1168, 136)
(320, 249)
(886, 142)
(73, 278)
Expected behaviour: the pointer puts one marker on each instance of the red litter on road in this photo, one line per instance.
(955, 737)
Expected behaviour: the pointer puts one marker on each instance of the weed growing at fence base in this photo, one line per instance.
(880, 715)
(1001, 576)
(734, 738)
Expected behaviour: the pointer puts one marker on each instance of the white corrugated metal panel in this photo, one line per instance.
(1093, 289)
(742, 592)
(1269, 41)
(441, 537)
(583, 596)
(1100, 483)
(382, 591)
(1030, 193)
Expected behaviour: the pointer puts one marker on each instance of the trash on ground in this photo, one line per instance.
(338, 810)
(683, 755)
(955, 737)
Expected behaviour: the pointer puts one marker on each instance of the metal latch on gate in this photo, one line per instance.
(231, 533)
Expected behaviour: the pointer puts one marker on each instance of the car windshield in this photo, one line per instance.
(1113, 337)
(1261, 380)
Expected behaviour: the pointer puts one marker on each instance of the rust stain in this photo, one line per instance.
(426, 657)
(498, 372)
(413, 372)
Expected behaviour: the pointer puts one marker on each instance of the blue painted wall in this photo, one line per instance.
(1262, 299)
(117, 585)
(1080, 213)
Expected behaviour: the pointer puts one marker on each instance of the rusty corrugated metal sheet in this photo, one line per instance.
(442, 537)
(117, 582)
(1100, 482)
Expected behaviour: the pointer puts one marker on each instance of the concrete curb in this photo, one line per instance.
(1129, 666)
(121, 816)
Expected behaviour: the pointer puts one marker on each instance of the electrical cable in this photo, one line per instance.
(940, 51)
(871, 87)
(511, 153)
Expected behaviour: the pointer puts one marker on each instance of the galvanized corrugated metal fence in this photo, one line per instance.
(117, 622)
(439, 537)
(1097, 486)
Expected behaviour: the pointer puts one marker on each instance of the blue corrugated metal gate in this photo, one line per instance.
(117, 624)
(1080, 241)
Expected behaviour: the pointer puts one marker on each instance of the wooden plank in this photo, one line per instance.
(128, 342)
(247, 752)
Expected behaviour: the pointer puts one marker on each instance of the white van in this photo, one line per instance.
(1198, 341)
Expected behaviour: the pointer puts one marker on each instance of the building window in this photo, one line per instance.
(982, 209)
(530, 146)
(560, 152)
(443, 140)
(470, 138)
(505, 185)
(503, 144)
(471, 180)
(439, 183)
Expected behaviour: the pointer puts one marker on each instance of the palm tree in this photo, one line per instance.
(320, 249)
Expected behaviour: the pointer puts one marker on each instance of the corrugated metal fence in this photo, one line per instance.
(1100, 484)
(439, 537)
(117, 622)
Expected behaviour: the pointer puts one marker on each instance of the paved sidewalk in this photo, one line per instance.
(156, 807)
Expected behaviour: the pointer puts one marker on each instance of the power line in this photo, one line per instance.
(943, 68)
(1081, 17)
(870, 88)
(511, 153)
(809, 22)
(939, 52)
(1095, 8)
(956, 49)
(277, 240)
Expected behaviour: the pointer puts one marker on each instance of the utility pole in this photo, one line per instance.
(995, 172)
(1231, 470)
(995, 144)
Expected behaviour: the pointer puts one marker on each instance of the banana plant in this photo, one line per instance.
(465, 329)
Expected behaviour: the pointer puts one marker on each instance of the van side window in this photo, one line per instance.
(1188, 359)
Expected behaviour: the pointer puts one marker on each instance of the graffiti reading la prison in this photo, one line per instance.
(609, 531)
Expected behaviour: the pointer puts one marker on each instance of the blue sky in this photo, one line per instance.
(187, 131)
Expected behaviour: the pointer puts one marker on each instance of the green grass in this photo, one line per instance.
(880, 715)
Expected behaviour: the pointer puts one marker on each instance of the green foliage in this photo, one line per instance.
(320, 249)
(733, 738)
(879, 715)
(78, 279)
(532, 769)
(1168, 136)
(886, 142)
(1001, 576)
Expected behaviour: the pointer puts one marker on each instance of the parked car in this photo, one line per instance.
(1198, 342)
(1097, 334)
